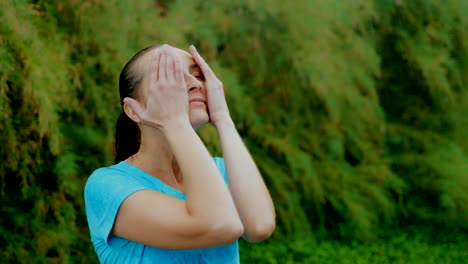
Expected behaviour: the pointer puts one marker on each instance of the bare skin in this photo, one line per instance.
(251, 197)
(181, 93)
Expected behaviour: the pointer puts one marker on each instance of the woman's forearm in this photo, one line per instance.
(207, 194)
(247, 187)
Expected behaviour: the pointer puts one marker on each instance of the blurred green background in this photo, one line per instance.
(356, 112)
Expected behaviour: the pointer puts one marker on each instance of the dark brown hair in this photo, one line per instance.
(127, 133)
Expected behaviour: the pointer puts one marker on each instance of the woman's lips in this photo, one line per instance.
(197, 100)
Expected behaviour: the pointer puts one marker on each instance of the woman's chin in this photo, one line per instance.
(198, 119)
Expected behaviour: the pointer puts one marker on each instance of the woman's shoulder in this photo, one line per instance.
(114, 170)
(107, 177)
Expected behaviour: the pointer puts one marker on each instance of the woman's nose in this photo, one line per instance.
(193, 83)
(194, 88)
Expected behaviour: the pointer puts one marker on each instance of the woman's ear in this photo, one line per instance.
(132, 109)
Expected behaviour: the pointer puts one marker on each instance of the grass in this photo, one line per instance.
(403, 247)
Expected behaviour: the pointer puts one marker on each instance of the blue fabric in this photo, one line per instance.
(107, 188)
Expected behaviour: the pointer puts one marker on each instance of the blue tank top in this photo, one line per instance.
(106, 189)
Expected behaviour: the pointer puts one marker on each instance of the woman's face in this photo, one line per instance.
(195, 81)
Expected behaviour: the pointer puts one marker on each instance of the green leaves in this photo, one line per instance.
(355, 111)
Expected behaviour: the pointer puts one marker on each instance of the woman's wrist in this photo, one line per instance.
(224, 123)
(175, 124)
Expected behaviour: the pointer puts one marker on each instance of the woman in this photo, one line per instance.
(166, 200)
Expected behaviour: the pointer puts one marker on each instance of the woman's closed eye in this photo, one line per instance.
(199, 77)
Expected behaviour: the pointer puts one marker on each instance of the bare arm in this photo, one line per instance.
(208, 217)
(247, 187)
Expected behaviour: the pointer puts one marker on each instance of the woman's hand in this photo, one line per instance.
(217, 106)
(165, 90)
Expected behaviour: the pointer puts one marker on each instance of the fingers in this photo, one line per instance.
(170, 67)
(178, 75)
(162, 65)
(206, 70)
(154, 66)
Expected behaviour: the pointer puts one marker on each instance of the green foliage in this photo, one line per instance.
(408, 246)
(354, 110)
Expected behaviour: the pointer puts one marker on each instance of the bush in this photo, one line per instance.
(354, 110)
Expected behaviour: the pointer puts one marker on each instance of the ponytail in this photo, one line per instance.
(127, 138)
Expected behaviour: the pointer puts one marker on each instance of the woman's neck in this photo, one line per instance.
(156, 158)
